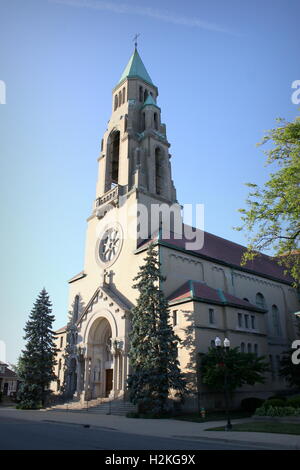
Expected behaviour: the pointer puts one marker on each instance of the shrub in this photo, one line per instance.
(277, 402)
(277, 397)
(250, 404)
(277, 411)
(294, 402)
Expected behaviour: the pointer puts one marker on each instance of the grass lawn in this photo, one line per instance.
(213, 416)
(281, 428)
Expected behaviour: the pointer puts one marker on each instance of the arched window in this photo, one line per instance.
(249, 347)
(260, 300)
(115, 147)
(155, 121)
(245, 298)
(116, 102)
(145, 95)
(120, 97)
(276, 321)
(123, 95)
(242, 347)
(141, 94)
(256, 349)
(158, 170)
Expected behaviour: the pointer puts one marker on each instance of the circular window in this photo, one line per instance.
(109, 245)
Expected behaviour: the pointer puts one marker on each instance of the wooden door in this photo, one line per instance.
(108, 381)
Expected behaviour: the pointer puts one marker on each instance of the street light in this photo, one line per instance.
(223, 352)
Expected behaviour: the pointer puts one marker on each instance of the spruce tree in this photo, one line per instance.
(153, 344)
(38, 357)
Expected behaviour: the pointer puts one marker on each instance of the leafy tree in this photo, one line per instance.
(272, 219)
(38, 358)
(236, 367)
(153, 350)
(289, 371)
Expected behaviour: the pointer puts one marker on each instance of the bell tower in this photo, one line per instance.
(134, 149)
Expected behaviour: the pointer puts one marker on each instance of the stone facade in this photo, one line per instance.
(135, 174)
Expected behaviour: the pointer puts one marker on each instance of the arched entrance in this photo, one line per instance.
(100, 373)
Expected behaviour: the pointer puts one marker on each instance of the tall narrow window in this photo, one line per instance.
(276, 321)
(253, 322)
(242, 347)
(143, 122)
(125, 123)
(240, 320)
(272, 367)
(155, 121)
(76, 308)
(116, 102)
(249, 347)
(145, 95)
(246, 321)
(256, 349)
(120, 97)
(260, 300)
(115, 158)
(61, 341)
(141, 94)
(174, 317)
(211, 315)
(123, 95)
(158, 171)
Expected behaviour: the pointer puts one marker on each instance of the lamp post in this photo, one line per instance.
(223, 352)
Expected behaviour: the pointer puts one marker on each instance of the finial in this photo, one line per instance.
(135, 39)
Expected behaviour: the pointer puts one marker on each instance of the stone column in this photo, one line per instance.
(87, 378)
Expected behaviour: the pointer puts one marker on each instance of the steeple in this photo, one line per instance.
(136, 69)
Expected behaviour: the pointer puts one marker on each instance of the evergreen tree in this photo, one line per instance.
(38, 358)
(153, 348)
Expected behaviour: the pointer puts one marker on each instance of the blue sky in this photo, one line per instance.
(224, 72)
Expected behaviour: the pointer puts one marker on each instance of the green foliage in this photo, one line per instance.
(272, 220)
(38, 359)
(153, 348)
(251, 404)
(294, 402)
(277, 411)
(277, 397)
(30, 396)
(240, 368)
(274, 402)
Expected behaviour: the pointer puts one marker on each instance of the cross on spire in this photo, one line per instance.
(135, 39)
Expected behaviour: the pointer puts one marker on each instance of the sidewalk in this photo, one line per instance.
(159, 427)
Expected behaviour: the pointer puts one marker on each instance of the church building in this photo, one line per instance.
(210, 294)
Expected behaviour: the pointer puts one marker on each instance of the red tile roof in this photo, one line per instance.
(195, 290)
(226, 252)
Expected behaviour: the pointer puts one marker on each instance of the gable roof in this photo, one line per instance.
(136, 69)
(198, 291)
(225, 252)
(150, 101)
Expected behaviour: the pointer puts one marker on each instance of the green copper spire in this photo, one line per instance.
(150, 101)
(136, 69)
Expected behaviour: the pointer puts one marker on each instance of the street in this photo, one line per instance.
(17, 434)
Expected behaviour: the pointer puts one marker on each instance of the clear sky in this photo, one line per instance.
(224, 70)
